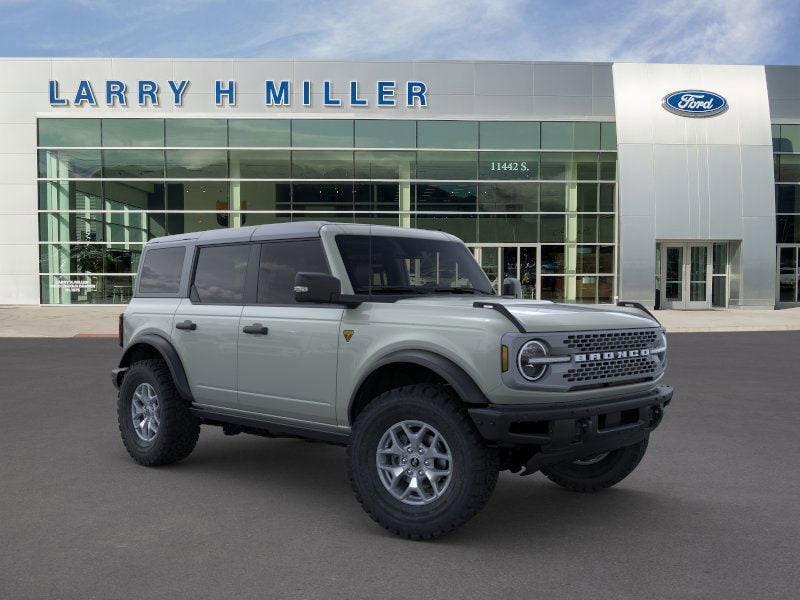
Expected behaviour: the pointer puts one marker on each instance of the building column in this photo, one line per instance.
(405, 195)
(234, 216)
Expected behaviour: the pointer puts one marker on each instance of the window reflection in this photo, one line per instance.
(260, 164)
(200, 164)
(460, 197)
(447, 134)
(196, 132)
(548, 185)
(322, 133)
(65, 133)
(124, 164)
(256, 133)
(322, 164)
(383, 133)
(66, 164)
(133, 132)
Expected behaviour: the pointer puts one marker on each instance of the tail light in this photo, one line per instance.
(121, 329)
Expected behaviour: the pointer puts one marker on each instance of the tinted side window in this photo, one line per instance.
(161, 270)
(280, 262)
(220, 274)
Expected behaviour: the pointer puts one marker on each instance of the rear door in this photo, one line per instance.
(287, 351)
(205, 327)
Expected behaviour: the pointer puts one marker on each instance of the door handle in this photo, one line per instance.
(256, 328)
(186, 325)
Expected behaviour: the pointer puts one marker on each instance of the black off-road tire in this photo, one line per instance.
(178, 430)
(586, 478)
(474, 465)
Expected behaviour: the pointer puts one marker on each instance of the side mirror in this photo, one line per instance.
(512, 287)
(316, 287)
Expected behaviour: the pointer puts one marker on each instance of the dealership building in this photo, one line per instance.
(676, 185)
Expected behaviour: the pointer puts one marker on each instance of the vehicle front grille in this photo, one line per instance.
(605, 360)
(609, 370)
(606, 341)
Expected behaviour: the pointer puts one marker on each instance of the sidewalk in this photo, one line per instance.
(58, 321)
(101, 321)
(678, 321)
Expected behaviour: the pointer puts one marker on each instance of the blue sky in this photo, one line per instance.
(712, 31)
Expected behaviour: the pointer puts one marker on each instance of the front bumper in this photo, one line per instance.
(562, 432)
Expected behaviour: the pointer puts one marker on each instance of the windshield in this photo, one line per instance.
(405, 265)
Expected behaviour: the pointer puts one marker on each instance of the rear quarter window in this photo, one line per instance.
(161, 270)
(219, 277)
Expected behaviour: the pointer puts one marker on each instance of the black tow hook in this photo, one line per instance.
(581, 427)
(656, 414)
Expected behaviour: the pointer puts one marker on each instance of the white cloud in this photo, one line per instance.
(667, 31)
(410, 29)
(712, 31)
(715, 31)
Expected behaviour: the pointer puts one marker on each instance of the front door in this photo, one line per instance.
(288, 352)
(686, 275)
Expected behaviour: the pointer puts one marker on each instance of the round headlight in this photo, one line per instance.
(662, 345)
(527, 363)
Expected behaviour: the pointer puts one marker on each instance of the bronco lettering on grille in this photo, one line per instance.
(594, 356)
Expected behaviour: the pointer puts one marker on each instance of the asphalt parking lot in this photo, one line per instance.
(712, 511)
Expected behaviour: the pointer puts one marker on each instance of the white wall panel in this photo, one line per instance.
(17, 137)
(18, 198)
(496, 78)
(24, 76)
(17, 168)
(69, 72)
(203, 74)
(18, 229)
(19, 259)
(705, 196)
(447, 77)
(22, 107)
(251, 74)
(19, 289)
(132, 70)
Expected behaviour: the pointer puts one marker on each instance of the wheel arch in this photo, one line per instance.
(406, 367)
(152, 345)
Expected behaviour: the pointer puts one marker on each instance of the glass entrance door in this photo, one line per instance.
(787, 274)
(686, 275)
(672, 257)
(518, 261)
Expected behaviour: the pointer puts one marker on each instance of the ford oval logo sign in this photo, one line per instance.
(695, 103)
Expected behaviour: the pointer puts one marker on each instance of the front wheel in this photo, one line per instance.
(154, 421)
(416, 463)
(595, 473)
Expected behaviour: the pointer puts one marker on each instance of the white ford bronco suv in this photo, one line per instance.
(393, 342)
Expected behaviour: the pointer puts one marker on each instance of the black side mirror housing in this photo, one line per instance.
(512, 287)
(316, 287)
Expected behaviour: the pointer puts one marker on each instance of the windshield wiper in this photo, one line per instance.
(390, 289)
(462, 290)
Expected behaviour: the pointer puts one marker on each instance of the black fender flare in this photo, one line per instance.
(167, 352)
(455, 376)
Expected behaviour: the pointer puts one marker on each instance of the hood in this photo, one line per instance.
(541, 315)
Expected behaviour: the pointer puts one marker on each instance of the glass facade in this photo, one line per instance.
(786, 148)
(533, 200)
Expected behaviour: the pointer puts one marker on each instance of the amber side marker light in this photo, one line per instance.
(504, 358)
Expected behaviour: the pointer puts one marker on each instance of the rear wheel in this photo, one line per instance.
(154, 421)
(416, 463)
(595, 473)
